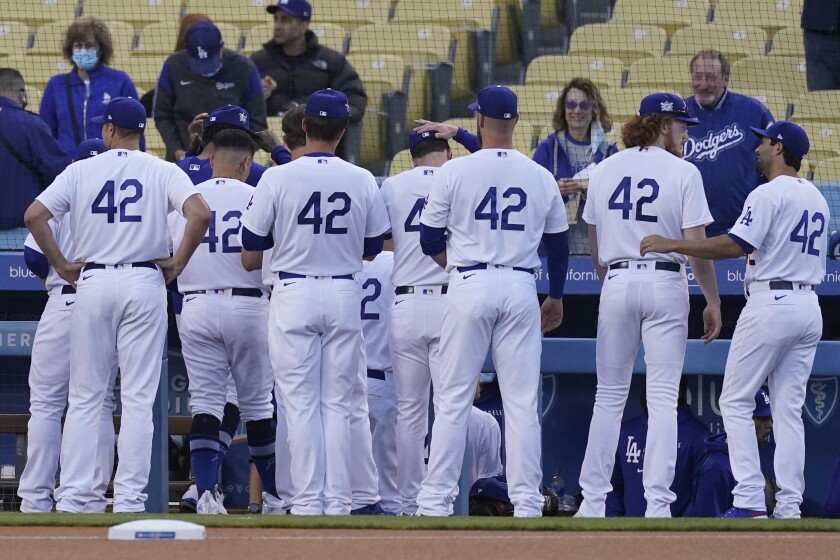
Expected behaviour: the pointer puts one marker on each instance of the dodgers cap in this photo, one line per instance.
(789, 134)
(762, 404)
(204, 45)
(415, 138)
(124, 112)
(89, 148)
(232, 115)
(496, 102)
(667, 105)
(300, 9)
(327, 104)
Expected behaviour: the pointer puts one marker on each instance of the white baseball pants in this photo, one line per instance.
(382, 401)
(364, 477)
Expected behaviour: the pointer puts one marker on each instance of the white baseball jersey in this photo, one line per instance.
(319, 209)
(501, 224)
(61, 233)
(404, 196)
(785, 220)
(117, 203)
(217, 264)
(636, 193)
(377, 298)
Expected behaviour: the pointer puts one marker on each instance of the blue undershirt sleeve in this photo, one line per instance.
(432, 240)
(467, 140)
(253, 242)
(36, 262)
(557, 254)
(746, 247)
(373, 245)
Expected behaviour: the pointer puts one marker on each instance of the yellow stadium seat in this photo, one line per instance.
(159, 38)
(33, 98)
(331, 35)
(41, 12)
(536, 105)
(143, 70)
(775, 101)
(827, 170)
(243, 13)
(400, 162)
(138, 12)
(736, 42)
(669, 72)
(824, 138)
(351, 13)
(627, 41)
(623, 104)
(416, 43)
(49, 39)
(154, 141)
(770, 15)
(817, 106)
(14, 38)
(670, 15)
(783, 74)
(788, 42)
(37, 70)
(559, 70)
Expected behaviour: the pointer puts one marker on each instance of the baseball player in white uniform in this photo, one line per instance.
(782, 229)
(644, 189)
(49, 378)
(421, 287)
(496, 205)
(322, 215)
(223, 325)
(118, 203)
(377, 300)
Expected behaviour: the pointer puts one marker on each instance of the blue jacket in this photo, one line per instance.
(723, 147)
(627, 498)
(560, 166)
(199, 170)
(105, 84)
(31, 139)
(713, 481)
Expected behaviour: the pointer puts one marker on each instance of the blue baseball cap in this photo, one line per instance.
(89, 148)
(789, 134)
(762, 404)
(327, 104)
(667, 105)
(415, 138)
(496, 102)
(124, 112)
(300, 9)
(204, 45)
(231, 115)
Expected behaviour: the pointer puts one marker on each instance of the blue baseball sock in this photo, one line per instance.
(261, 436)
(204, 451)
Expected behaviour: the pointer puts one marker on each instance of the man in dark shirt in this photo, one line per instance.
(821, 29)
(29, 156)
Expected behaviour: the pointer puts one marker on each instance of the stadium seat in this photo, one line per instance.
(669, 15)
(14, 38)
(788, 42)
(770, 15)
(400, 162)
(537, 104)
(736, 42)
(824, 138)
(154, 141)
(668, 72)
(626, 41)
(37, 71)
(775, 101)
(159, 38)
(49, 39)
(137, 12)
(351, 13)
(331, 35)
(242, 13)
(143, 70)
(817, 106)
(256, 36)
(558, 70)
(623, 104)
(828, 170)
(783, 74)
(41, 12)
(33, 97)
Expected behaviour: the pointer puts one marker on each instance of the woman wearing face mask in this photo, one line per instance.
(72, 100)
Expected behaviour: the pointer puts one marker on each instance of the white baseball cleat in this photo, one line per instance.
(272, 505)
(210, 503)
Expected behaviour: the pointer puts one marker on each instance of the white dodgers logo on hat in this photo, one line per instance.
(202, 53)
(666, 106)
(243, 117)
(322, 113)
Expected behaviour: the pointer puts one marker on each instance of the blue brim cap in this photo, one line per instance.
(791, 135)
(667, 105)
(89, 148)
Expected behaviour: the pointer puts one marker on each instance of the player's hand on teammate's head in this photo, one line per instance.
(70, 271)
(196, 127)
(551, 314)
(655, 244)
(711, 323)
(443, 131)
(267, 140)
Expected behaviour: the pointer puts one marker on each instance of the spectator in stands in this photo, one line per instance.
(627, 498)
(722, 146)
(29, 155)
(72, 101)
(148, 99)
(821, 28)
(200, 78)
(293, 65)
(579, 141)
(713, 480)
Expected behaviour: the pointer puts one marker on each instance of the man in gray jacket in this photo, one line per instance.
(199, 79)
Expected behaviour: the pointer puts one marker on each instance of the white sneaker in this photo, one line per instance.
(272, 505)
(189, 500)
(210, 504)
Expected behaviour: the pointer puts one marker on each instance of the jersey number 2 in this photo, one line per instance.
(800, 233)
(487, 208)
(313, 206)
(620, 199)
(377, 291)
(108, 195)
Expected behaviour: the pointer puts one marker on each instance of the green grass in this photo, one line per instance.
(430, 523)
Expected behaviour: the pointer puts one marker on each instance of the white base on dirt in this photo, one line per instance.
(157, 529)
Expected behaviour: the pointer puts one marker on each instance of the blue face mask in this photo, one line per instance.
(213, 73)
(85, 59)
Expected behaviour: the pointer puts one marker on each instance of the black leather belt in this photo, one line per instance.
(96, 266)
(483, 266)
(288, 275)
(67, 290)
(247, 292)
(660, 265)
(376, 374)
(402, 290)
(785, 285)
